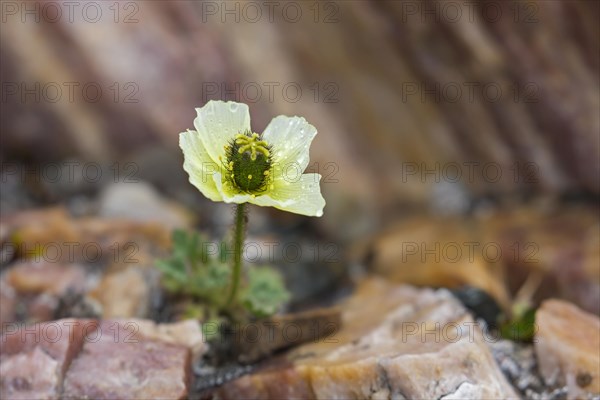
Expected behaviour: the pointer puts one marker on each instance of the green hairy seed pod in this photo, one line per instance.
(249, 162)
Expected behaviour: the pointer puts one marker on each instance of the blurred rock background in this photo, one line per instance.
(450, 110)
(459, 144)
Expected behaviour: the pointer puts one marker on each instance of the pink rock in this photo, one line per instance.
(30, 375)
(567, 345)
(8, 302)
(34, 359)
(120, 363)
(185, 333)
(85, 359)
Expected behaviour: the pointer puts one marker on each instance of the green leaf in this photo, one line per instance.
(521, 328)
(206, 278)
(212, 276)
(191, 272)
(179, 238)
(173, 269)
(265, 292)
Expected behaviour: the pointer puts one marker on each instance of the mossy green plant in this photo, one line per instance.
(205, 277)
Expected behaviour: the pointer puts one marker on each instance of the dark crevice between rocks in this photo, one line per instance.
(518, 363)
(384, 383)
(230, 356)
(69, 361)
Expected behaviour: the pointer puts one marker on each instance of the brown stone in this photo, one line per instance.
(496, 253)
(436, 252)
(567, 345)
(394, 341)
(185, 333)
(123, 294)
(257, 340)
(45, 277)
(558, 245)
(53, 230)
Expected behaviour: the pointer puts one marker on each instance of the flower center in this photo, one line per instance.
(248, 162)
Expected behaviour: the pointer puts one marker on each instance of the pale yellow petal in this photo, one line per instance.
(229, 193)
(291, 138)
(218, 122)
(199, 165)
(302, 196)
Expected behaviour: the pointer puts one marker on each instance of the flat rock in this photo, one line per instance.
(567, 345)
(122, 363)
(394, 342)
(34, 359)
(111, 359)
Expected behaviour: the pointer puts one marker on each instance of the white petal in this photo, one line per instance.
(199, 166)
(218, 122)
(300, 197)
(291, 138)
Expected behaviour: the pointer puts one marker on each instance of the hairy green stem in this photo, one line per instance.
(238, 244)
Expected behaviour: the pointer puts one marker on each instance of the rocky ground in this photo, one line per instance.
(84, 315)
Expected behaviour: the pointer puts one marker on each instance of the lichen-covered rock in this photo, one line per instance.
(394, 342)
(567, 345)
